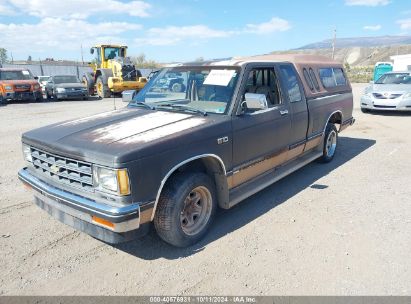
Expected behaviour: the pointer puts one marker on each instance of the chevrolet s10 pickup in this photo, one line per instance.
(173, 156)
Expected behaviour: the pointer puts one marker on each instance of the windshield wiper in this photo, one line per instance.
(181, 107)
(145, 105)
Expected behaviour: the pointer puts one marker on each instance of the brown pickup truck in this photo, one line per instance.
(19, 85)
(173, 156)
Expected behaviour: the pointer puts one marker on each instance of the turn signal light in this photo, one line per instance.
(103, 222)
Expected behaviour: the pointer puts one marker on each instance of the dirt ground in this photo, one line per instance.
(342, 228)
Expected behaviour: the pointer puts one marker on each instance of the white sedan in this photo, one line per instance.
(392, 92)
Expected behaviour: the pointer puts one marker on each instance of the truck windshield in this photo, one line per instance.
(395, 78)
(66, 79)
(203, 88)
(15, 75)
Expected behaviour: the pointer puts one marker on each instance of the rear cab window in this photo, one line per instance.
(332, 77)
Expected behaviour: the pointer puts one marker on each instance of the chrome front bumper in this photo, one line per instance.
(398, 104)
(81, 213)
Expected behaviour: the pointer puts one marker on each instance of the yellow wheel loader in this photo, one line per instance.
(113, 72)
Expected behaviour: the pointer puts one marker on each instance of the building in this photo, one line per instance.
(401, 62)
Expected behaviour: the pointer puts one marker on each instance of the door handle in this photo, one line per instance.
(283, 112)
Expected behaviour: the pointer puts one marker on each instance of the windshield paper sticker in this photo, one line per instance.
(219, 77)
(25, 72)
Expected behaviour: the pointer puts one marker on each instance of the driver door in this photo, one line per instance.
(260, 138)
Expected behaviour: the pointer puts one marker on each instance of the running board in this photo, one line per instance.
(247, 189)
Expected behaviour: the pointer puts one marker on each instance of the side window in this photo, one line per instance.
(314, 79)
(339, 77)
(308, 80)
(291, 81)
(264, 81)
(332, 77)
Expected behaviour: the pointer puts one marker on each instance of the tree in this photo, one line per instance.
(200, 59)
(3, 55)
(141, 62)
(29, 58)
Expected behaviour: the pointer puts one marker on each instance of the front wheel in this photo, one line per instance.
(186, 208)
(102, 89)
(330, 143)
(364, 110)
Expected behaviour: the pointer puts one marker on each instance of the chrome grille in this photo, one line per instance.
(65, 170)
(386, 95)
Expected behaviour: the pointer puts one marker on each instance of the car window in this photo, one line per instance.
(264, 81)
(66, 79)
(291, 80)
(15, 75)
(394, 78)
(332, 77)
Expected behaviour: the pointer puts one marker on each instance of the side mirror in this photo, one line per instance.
(92, 51)
(36, 77)
(255, 102)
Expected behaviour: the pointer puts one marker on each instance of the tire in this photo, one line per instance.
(102, 89)
(88, 81)
(3, 101)
(330, 143)
(40, 98)
(364, 110)
(186, 208)
(48, 96)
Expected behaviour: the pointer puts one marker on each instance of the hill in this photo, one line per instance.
(360, 42)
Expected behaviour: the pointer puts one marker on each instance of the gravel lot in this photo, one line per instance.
(342, 228)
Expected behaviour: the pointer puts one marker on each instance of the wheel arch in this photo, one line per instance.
(211, 164)
(335, 117)
(104, 73)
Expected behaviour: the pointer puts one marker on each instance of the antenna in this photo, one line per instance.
(334, 41)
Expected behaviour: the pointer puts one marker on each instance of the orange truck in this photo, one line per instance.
(19, 85)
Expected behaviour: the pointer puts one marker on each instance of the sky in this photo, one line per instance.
(184, 30)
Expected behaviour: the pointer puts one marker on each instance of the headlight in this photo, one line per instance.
(407, 95)
(7, 87)
(27, 153)
(36, 87)
(61, 90)
(112, 180)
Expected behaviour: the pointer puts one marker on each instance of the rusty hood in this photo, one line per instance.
(120, 136)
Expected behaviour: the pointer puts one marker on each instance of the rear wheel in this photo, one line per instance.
(102, 89)
(364, 110)
(330, 143)
(40, 98)
(185, 209)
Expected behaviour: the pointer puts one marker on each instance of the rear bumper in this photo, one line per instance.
(80, 212)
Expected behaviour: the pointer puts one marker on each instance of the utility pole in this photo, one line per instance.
(82, 57)
(334, 41)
